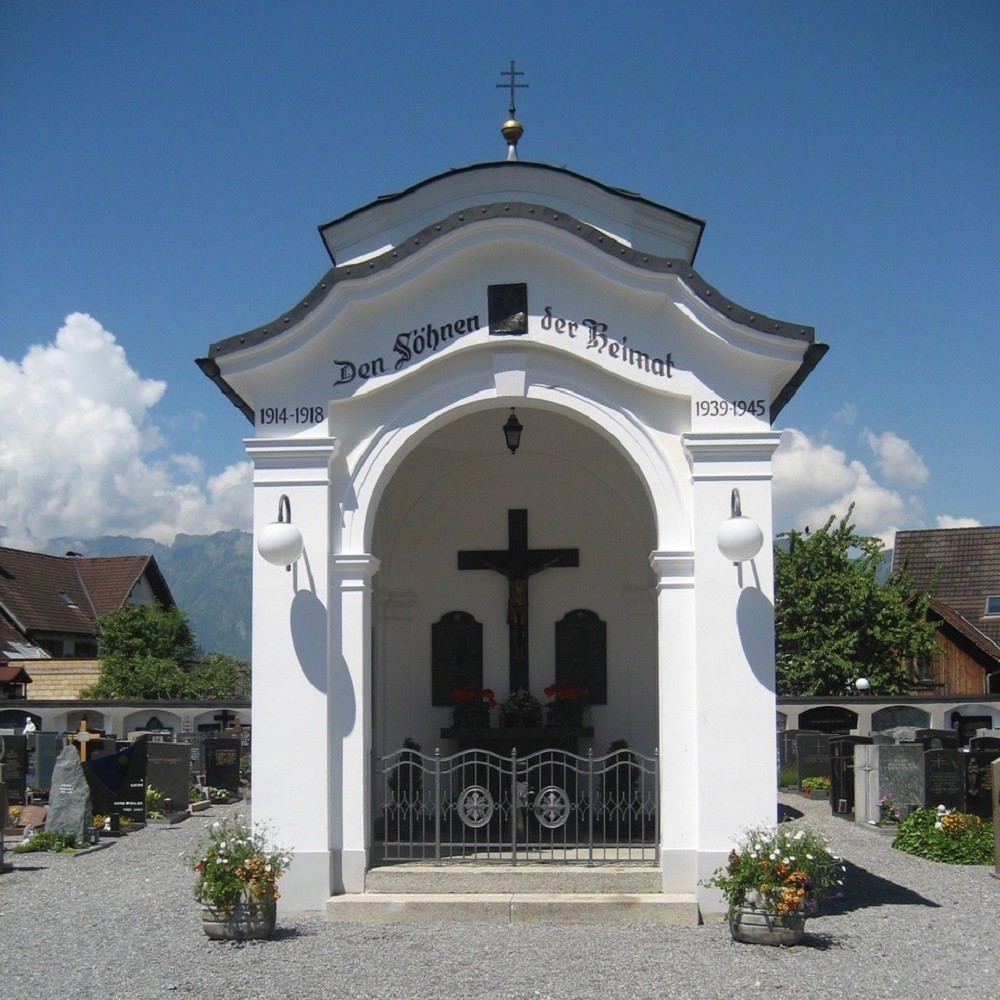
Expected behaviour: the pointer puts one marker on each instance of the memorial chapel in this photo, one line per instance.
(510, 440)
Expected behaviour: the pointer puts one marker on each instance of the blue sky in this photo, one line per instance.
(164, 168)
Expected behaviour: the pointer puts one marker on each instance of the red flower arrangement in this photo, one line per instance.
(566, 692)
(566, 708)
(473, 694)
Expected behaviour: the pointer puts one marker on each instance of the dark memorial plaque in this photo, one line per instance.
(168, 770)
(985, 743)
(47, 747)
(937, 739)
(508, 310)
(456, 655)
(582, 653)
(222, 763)
(196, 744)
(842, 771)
(14, 767)
(812, 752)
(979, 783)
(944, 779)
(117, 780)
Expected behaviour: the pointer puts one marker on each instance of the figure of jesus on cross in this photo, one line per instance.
(517, 562)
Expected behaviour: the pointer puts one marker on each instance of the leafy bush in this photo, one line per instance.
(942, 835)
(788, 777)
(819, 783)
(47, 840)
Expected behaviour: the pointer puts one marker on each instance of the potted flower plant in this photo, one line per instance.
(773, 880)
(238, 867)
(520, 708)
(818, 786)
(472, 707)
(566, 706)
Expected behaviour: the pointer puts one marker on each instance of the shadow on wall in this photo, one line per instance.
(755, 621)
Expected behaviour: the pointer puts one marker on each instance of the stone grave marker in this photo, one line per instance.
(896, 770)
(938, 739)
(222, 763)
(985, 743)
(47, 747)
(196, 744)
(812, 753)
(70, 806)
(979, 782)
(4, 819)
(787, 747)
(118, 781)
(168, 770)
(902, 734)
(944, 779)
(14, 767)
(842, 771)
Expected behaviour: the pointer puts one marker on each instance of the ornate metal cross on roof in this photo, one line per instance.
(512, 84)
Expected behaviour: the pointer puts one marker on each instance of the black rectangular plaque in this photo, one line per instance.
(508, 310)
(222, 763)
(842, 771)
(14, 767)
(582, 653)
(456, 655)
(979, 783)
(812, 752)
(944, 779)
(168, 770)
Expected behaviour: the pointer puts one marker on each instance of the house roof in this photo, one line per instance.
(43, 595)
(959, 567)
(961, 625)
(14, 675)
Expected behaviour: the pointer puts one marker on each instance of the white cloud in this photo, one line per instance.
(80, 454)
(896, 459)
(947, 521)
(815, 481)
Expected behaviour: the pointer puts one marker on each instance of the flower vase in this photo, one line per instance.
(247, 919)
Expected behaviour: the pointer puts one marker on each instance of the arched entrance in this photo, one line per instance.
(454, 493)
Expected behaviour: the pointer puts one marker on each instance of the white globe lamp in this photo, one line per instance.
(280, 542)
(740, 537)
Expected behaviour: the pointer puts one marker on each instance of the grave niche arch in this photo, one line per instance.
(829, 719)
(899, 715)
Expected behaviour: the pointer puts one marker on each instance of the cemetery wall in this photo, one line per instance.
(940, 710)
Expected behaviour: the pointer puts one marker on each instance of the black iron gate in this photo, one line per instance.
(551, 805)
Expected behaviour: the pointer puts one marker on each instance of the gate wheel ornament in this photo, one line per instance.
(552, 807)
(475, 806)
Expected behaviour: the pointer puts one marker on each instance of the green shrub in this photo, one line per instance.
(953, 837)
(47, 840)
(816, 784)
(788, 777)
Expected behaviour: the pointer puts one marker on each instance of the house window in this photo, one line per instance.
(993, 605)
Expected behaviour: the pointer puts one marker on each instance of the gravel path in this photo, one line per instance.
(122, 923)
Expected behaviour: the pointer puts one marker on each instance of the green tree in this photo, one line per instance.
(834, 622)
(218, 676)
(144, 652)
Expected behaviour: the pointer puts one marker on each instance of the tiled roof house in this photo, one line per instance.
(49, 605)
(960, 567)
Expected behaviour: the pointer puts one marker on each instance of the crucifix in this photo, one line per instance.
(517, 562)
(512, 73)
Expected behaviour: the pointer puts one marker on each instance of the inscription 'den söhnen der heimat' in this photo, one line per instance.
(593, 336)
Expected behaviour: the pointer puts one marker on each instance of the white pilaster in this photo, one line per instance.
(290, 627)
(349, 696)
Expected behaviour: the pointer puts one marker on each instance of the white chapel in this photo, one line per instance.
(510, 440)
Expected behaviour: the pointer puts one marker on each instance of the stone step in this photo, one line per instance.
(515, 908)
(426, 878)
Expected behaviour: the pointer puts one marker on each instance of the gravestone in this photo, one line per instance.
(812, 754)
(118, 781)
(902, 734)
(938, 739)
(582, 653)
(944, 779)
(896, 770)
(985, 743)
(47, 747)
(456, 656)
(842, 771)
(4, 820)
(14, 767)
(168, 770)
(196, 745)
(787, 747)
(979, 782)
(899, 715)
(70, 807)
(222, 763)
